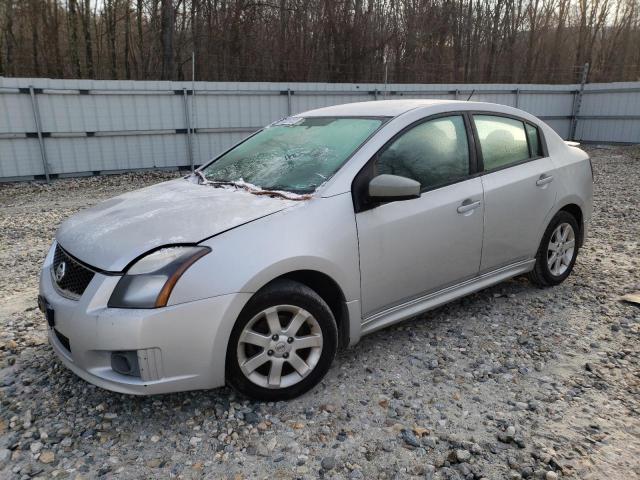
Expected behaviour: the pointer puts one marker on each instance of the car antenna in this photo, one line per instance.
(472, 92)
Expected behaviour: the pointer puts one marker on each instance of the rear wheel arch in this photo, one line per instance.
(576, 212)
(550, 251)
(570, 205)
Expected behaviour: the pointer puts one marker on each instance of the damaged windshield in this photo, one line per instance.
(297, 154)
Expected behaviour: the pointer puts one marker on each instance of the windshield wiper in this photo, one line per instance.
(205, 181)
(221, 183)
(252, 188)
(280, 193)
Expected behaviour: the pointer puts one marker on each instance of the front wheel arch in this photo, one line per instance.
(329, 290)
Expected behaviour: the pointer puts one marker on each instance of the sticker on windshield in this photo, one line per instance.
(287, 122)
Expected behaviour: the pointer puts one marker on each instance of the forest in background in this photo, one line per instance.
(402, 41)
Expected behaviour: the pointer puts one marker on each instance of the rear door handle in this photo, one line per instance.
(544, 179)
(468, 205)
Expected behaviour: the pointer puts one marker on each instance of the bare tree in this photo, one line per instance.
(8, 40)
(35, 47)
(86, 28)
(328, 40)
(167, 26)
(73, 37)
(127, 39)
(140, 70)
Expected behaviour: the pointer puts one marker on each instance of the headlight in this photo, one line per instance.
(149, 282)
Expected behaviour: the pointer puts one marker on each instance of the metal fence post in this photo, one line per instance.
(577, 102)
(36, 118)
(517, 98)
(194, 117)
(288, 101)
(188, 122)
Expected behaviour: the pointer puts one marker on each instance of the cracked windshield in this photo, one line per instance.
(296, 155)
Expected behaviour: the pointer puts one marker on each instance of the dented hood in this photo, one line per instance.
(111, 234)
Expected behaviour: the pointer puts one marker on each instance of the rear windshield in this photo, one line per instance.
(297, 154)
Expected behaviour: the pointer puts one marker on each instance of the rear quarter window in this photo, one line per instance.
(534, 140)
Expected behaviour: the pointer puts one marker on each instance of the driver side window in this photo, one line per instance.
(433, 153)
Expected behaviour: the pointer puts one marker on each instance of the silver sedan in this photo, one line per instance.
(307, 235)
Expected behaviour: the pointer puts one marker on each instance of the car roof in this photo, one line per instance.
(380, 108)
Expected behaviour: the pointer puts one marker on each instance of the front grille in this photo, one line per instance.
(70, 277)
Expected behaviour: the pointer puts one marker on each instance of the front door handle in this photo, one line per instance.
(544, 180)
(468, 205)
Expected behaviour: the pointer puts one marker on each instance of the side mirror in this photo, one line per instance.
(388, 188)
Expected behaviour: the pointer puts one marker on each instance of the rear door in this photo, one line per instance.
(411, 247)
(519, 188)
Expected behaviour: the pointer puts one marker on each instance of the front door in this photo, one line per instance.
(411, 247)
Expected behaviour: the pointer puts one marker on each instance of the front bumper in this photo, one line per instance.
(179, 347)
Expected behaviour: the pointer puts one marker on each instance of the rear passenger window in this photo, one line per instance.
(503, 140)
(534, 141)
(433, 153)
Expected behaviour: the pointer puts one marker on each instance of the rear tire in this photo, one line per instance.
(557, 252)
(282, 344)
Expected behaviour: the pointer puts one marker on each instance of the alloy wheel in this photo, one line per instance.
(279, 346)
(560, 249)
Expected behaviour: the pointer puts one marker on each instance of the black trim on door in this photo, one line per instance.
(475, 163)
(360, 183)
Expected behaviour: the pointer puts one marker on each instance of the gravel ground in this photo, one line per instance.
(511, 382)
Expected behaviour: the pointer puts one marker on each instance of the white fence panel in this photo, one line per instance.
(19, 158)
(101, 125)
(16, 115)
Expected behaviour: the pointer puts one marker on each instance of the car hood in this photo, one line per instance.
(111, 234)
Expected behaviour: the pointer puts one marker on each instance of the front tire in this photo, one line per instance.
(557, 252)
(282, 344)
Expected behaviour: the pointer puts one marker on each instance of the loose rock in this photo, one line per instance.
(510, 382)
